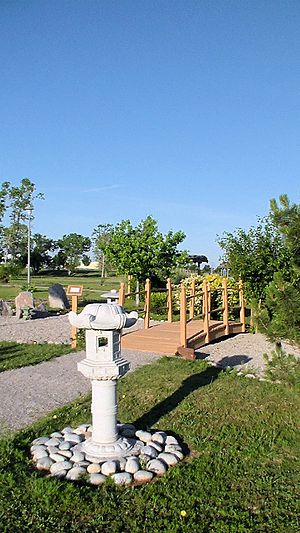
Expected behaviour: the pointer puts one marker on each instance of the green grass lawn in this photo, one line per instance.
(92, 283)
(241, 475)
(16, 355)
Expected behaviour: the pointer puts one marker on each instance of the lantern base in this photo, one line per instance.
(122, 447)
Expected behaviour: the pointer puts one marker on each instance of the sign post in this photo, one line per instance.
(74, 291)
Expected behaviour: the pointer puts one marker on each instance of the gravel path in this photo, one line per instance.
(31, 392)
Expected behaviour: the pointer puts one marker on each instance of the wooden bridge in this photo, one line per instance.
(188, 334)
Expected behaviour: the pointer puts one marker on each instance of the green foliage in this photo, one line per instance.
(241, 475)
(159, 302)
(9, 270)
(255, 256)
(143, 251)
(286, 218)
(101, 237)
(283, 367)
(73, 248)
(215, 283)
(16, 355)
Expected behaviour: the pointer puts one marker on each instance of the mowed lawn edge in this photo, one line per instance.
(16, 355)
(241, 472)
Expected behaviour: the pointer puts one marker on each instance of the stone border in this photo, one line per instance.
(156, 452)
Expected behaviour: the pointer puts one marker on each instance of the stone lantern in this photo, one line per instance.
(104, 365)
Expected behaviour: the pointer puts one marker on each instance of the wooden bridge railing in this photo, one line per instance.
(187, 303)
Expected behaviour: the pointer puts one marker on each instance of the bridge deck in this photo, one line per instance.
(165, 338)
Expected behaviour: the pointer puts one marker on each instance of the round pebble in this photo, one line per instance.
(122, 478)
(60, 474)
(121, 463)
(108, 468)
(143, 476)
(171, 440)
(54, 441)
(44, 463)
(57, 457)
(149, 450)
(40, 440)
(132, 465)
(94, 468)
(65, 453)
(156, 446)
(38, 454)
(158, 467)
(65, 445)
(96, 479)
(93, 459)
(57, 467)
(38, 447)
(73, 438)
(67, 429)
(78, 457)
(144, 436)
(75, 473)
(56, 434)
(158, 437)
(170, 448)
(168, 458)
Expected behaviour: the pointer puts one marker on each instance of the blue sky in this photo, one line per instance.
(186, 110)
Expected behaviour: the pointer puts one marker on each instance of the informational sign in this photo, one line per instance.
(74, 290)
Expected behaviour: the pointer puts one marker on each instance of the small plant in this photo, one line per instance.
(282, 367)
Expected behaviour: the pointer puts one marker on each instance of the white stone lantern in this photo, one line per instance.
(111, 296)
(104, 365)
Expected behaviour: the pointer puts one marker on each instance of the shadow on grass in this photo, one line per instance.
(167, 405)
(5, 351)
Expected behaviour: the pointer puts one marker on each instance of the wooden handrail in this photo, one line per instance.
(169, 299)
(122, 294)
(206, 297)
(147, 303)
(225, 306)
(183, 337)
(242, 306)
(192, 299)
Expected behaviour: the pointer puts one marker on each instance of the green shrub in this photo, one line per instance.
(283, 367)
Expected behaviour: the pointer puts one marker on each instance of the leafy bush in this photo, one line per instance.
(215, 284)
(159, 302)
(9, 270)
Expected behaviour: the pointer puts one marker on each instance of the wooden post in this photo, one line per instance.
(122, 294)
(137, 293)
(183, 340)
(192, 300)
(147, 303)
(169, 299)
(129, 278)
(205, 311)
(242, 306)
(225, 305)
(73, 329)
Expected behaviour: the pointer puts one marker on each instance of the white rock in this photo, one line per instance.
(168, 458)
(78, 457)
(132, 465)
(156, 446)
(57, 457)
(108, 468)
(158, 467)
(54, 441)
(38, 454)
(60, 474)
(122, 478)
(44, 463)
(127, 432)
(144, 436)
(171, 440)
(52, 449)
(65, 445)
(57, 467)
(38, 447)
(75, 473)
(73, 438)
(65, 453)
(67, 429)
(178, 454)
(171, 448)
(121, 463)
(143, 476)
(94, 468)
(149, 450)
(96, 479)
(85, 464)
(56, 434)
(144, 459)
(40, 440)
(158, 437)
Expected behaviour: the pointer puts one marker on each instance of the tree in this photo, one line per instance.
(286, 218)
(255, 256)
(72, 249)
(19, 201)
(101, 237)
(143, 251)
(40, 257)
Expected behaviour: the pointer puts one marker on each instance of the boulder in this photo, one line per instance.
(57, 297)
